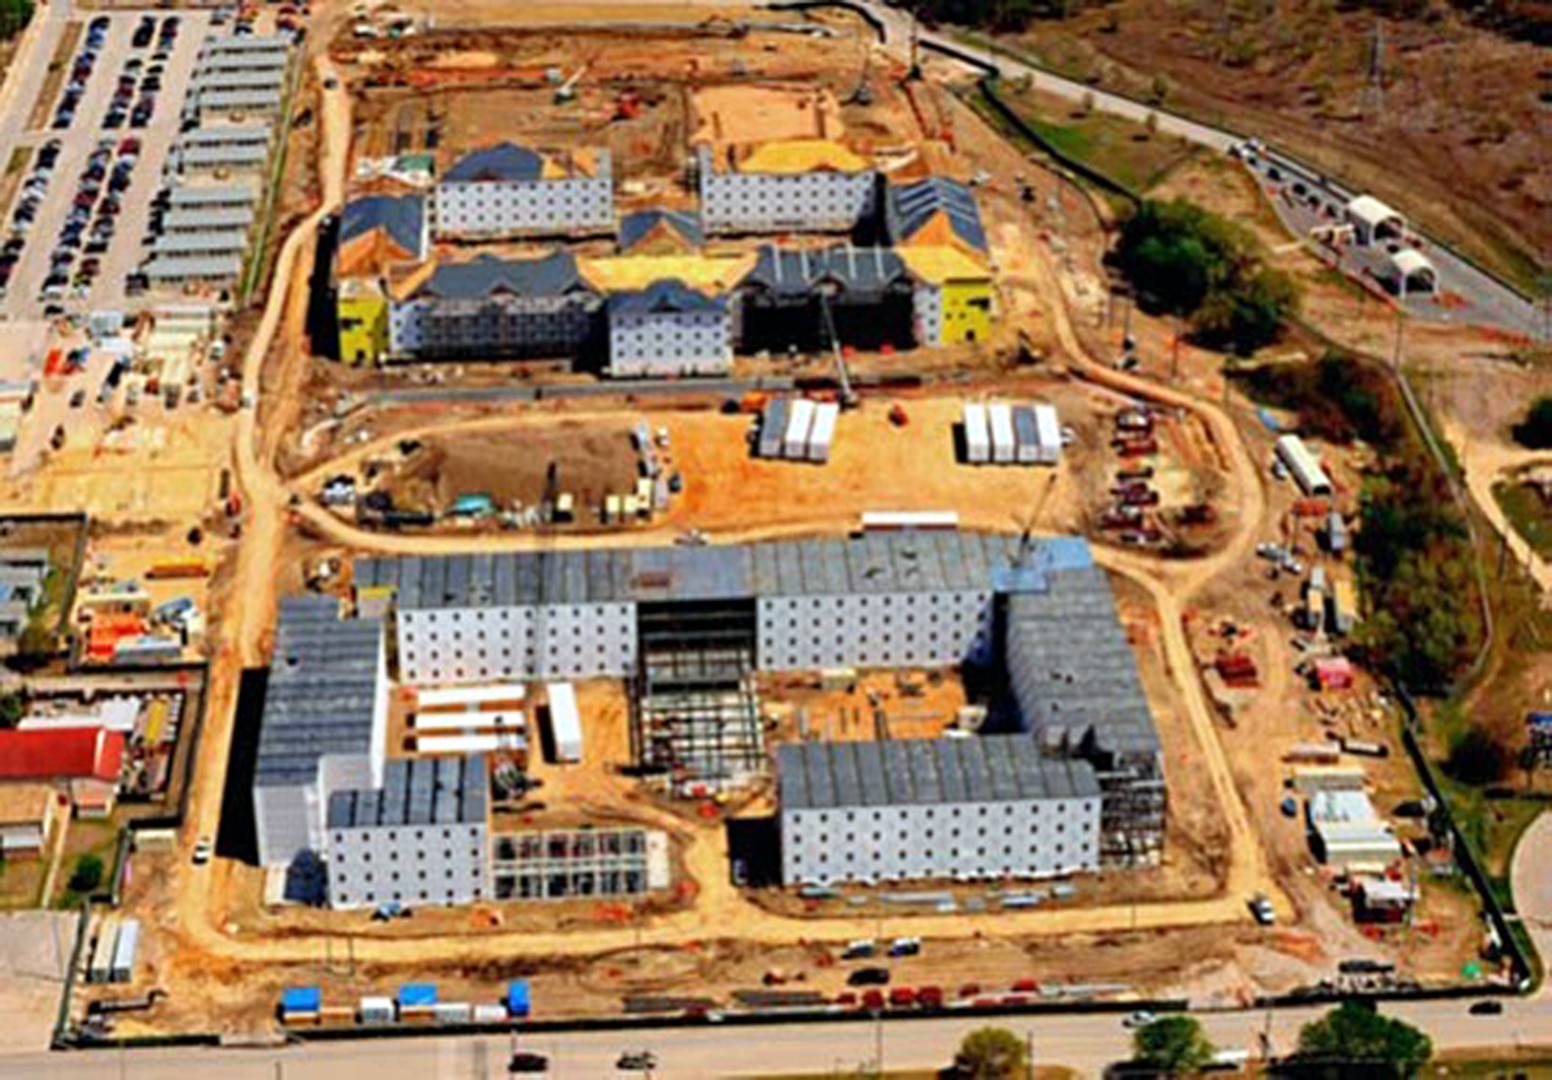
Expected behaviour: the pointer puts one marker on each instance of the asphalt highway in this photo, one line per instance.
(1087, 1042)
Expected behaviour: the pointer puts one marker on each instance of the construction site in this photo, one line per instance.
(619, 623)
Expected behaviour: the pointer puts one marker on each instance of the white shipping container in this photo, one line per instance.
(903, 520)
(452, 1012)
(978, 441)
(1049, 429)
(468, 697)
(126, 946)
(799, 424)
(1004, 444)
(376, 1010)
(469, 744)
(490, 1014)
(565, 722)
(1027, 434)
(822, 437)
(100, 969)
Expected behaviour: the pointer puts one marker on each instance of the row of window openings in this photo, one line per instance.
(393, 856)
(425, 897)
(955, 853)
(393, 876)
(420, 835)
(851, 838)
(1009, 810)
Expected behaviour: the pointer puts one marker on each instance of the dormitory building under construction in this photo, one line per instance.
(1074, 783)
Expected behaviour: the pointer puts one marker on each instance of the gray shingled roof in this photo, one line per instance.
(553, 275)
(857, 272)
(875, 563)
(401, 216)
(909, 206)
(667, 295)
(176, 268)
(634, 227)
(322, 690)
(508, 161)
(227, 135)
(227, 195)
(220, 217)
(907, 772)
(444, 791)
(1071, 670)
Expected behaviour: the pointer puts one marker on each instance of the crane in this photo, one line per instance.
(842, 376)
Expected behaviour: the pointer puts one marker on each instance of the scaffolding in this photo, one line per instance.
(566, 864)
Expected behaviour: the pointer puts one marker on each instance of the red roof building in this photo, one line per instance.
(71, 753)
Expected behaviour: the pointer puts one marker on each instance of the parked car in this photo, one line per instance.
(1490, 1007)
(526, 1061)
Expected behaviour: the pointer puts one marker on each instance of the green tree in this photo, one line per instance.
(87, 874)
(991, 1053)
(1535, 431)
(1354, 1034)
(14, 16)
(1244, 318)
(1173, 1045)
(1477, 758)
(12, 708)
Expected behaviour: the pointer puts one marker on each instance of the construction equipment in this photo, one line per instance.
(898, 416)
(627, 106)
(567, 91)
(848, 397)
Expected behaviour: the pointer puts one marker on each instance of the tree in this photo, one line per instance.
(87, 874)
(1354, 1034)
(12, 708)
(14, 15)
(1535, 431)
(1477, 758)
(991, 1053)
(1173, 1045)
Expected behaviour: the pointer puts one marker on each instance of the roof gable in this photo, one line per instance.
(506, 161)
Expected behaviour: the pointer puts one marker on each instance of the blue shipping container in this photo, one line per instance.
(301, 999)
(517, 998)
(417, 995)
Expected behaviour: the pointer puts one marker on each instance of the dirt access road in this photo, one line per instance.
(1484, 464)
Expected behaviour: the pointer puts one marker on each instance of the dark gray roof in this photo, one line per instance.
(904, 772)
(401, 216)
(1071, 670)
(231, 195)
(508, 161)
(554, 274)
(910, 206)
(875, 563)
(634, 227)
(856, 272)
(667, 295)
(322, 690)
(444, 791)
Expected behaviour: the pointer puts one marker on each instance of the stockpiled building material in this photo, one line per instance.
(978, 437)
(799, 424)
(565, 723)
(822, 436)
(1027, 434)
(773, 427)
(1004, 443)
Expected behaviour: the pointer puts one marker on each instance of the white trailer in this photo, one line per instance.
(126, 946)
(978, 440)
(773, 428)
(910, 521)
(1049, 429)
(470, 743)
(1027, 434)
(565, 723)
(509, 720)
(1304, 465)
(799, 423)
(822, 436)
(100, 968)
(468, 697)
(1004, 444)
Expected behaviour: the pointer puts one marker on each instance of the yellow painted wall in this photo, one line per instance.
(363, 327)
(967, 311)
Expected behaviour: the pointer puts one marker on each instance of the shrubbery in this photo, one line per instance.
(1187, 261)
(1535, 431)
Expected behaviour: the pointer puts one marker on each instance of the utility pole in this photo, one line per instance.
(1374, 93)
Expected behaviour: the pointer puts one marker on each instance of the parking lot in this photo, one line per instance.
(104, 158)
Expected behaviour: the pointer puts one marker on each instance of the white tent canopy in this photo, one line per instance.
(1412, 271)
(1370, 217)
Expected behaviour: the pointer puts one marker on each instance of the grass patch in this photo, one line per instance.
(19, 157)
(1530, 516)
(21, 882)
(1539, 1068)
(97, 838)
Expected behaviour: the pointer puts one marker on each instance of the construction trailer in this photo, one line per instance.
(565, 723)
(1027, 434)
(1004, 444)
(876, 521)
(100, 968)
(469, 698)
(773, 428)
(126, 947)
(1304, 466)
(1049, 433)
(978, 437)
(800, 423)
(470, 721)
(822, 436)
(477, 743)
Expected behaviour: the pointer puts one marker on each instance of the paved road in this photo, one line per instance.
(1087, 1042)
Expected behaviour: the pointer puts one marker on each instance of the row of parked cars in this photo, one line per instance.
(90, 225)
(26, 210)
(80, 72)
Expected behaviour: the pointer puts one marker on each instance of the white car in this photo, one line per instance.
(203, 850)
(1139, 1019)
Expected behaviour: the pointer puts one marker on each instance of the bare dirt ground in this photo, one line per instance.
(1461, 137)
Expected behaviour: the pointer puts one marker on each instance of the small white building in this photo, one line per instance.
(669, 329)
(978, 436)
(565, 723)
(420, 838)
(1347, 832)
(800, 421)
(1373, 221)
(793, 185)
(1410, 271)
(1304, 466)
(990, 807)
(510, 190)
(1004, 442)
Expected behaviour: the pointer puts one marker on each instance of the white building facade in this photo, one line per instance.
(439, 646)
(951, 809)
(510, 191)
(668, 329)
(757, 202)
